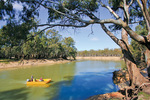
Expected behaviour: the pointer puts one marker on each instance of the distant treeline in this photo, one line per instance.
(35, 45)
(105, 52)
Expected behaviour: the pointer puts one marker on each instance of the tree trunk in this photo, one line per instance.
(147, 60)
(136, 78)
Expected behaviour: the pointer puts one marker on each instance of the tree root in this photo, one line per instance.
(131, 93)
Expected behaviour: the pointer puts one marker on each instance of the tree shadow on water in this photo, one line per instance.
(16, 94)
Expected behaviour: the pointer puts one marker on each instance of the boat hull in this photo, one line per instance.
(37, 82)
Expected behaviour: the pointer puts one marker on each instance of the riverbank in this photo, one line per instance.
(31, 63)
(101, 58)
(38, 62)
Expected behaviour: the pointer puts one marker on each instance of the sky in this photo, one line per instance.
(83, 38)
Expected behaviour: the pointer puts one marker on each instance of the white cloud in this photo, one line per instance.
(94, 39)
(17, 6)
(76, 41)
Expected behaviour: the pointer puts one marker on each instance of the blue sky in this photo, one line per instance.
(84, 40)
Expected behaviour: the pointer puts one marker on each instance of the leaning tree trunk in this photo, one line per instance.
(147, 60)
(136, 78)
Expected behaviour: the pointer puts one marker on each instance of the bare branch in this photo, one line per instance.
(91, 31)
(145, 10)
(132, 34)
(91, 15)
(67, 10)
(111, 35)
(110, 10)
(120, 22)
(63, 25)
(74, 17)
(44, 29)
(147, 19)
(130, 3)
(109, 21)
(126, 11)
(124, 2)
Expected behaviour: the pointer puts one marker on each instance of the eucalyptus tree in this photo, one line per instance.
(82, 13)
(69, 48)
(14, 35)
(127, 7)
(54, 43)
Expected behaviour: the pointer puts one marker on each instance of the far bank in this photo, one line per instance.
(101, 58)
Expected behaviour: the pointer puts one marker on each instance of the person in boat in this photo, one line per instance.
(41, 79)
(32, 78)
(28, 80)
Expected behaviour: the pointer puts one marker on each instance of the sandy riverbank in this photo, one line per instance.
(31, 62)
(38, 62)
(100, 58)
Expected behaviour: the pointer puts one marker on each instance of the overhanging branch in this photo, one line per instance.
(110, 34)
(70, 16)
(62, 25)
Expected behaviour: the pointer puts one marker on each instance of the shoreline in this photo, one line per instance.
(100, 58)
(31, 63)
(39, 62)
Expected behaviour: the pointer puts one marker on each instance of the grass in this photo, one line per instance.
(143, 96)
(6, 61)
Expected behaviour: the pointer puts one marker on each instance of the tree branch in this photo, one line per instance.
(110, 10)
(109, 21)
(145, 15)
(111, 35)
(130, 3)
(126, 11)
(63, 25)
(67, 10)
(145, 10)
(120, 22)
(75, 17)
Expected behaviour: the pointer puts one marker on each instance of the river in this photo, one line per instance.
(70, 81)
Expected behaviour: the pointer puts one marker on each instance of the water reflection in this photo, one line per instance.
(71, 81)
(15, 94)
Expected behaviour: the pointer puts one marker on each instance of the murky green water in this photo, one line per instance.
(70, 81)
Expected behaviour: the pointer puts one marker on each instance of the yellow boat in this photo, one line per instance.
(38, 82)
(38, 85)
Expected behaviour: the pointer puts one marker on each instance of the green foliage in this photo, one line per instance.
(6, 8)
(13, 33)
(69, 48)
(38, 45)
(79, 7)
(116, 4)
(136, 48)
